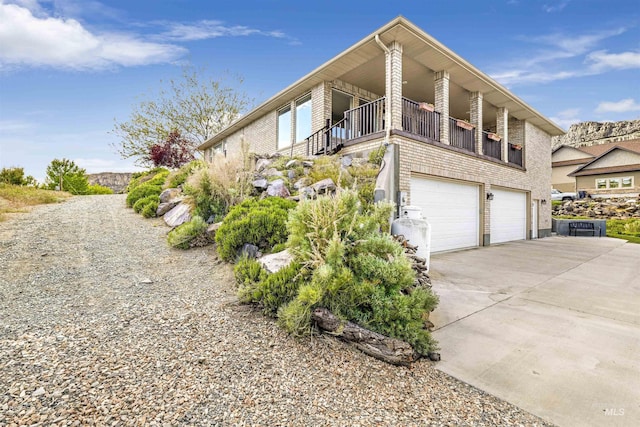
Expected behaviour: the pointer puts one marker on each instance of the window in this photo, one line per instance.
(624, 182)
(303, 118)
(284, 127)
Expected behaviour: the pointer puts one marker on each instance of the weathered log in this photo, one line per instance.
(390, 350)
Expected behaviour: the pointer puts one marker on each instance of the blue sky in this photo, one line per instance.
(68, 68)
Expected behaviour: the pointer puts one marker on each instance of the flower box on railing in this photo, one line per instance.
(464, 125)
(426, 106)
(516, 147)
(494, 137)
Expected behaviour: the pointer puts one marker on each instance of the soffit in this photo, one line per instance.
(423, 50)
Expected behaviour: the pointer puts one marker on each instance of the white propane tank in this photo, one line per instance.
(415, 229)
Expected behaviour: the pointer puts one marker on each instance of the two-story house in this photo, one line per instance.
(473, 156)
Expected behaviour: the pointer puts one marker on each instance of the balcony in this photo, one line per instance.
(420, 119)
(462, 135)
(491, 146)
(515, 154)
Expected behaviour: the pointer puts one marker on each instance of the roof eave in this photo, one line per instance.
(312, 78)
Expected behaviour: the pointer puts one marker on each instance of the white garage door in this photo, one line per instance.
(452, 210)
(508, 216)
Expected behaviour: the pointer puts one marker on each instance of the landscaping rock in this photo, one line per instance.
(307, 164)
(212, 229)
(180, 214)
(291, 163)
(302, 182)
(346, 161)
(251, 251)
(272, 172)
(261, 184)
(291, 174)
(262, 164)
(278, 189)
(274, 262)
(324, 186)
(307, 193)
(170, 194)
(163, 208)
(612, 208)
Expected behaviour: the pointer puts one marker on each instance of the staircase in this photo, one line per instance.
(357, 122)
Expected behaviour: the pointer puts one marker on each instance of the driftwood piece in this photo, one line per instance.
(390, 350)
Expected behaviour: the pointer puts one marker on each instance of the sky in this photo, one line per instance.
(70, 68)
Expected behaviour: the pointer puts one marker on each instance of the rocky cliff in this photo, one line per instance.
(594, 133)
(117, 181)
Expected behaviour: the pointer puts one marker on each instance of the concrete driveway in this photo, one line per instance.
(550, 325)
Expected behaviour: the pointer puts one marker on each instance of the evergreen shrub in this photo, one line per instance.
(182, 235)
(259, 222)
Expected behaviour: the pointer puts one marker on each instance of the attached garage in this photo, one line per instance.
(508, 216)
(452, 209)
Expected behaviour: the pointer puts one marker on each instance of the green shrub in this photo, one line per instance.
(376, 156)
(344, 263)
(208, 202)
(330, 167)
(181, 236)
(259, 222)
(98, 189)
(179, 177)
(155, 176)
(632, 227)
(139, 205)
(142, 191)
(149, 211)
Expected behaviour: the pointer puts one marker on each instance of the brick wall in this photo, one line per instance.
(259, 134)
(442, 103)
(421, 159)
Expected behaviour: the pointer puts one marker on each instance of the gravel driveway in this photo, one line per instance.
(101, 323)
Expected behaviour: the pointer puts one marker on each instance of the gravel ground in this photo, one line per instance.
(101, 323)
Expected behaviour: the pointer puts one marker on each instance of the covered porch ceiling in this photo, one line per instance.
(363, 65)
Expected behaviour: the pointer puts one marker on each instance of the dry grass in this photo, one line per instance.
(15, 199)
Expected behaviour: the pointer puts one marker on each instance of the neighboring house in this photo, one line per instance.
(605, 169)
(472, 155)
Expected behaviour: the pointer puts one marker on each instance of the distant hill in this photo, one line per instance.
(595, 133)
(117, 181)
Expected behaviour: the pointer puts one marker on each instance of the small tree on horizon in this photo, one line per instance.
(68, 176)
(15, 176)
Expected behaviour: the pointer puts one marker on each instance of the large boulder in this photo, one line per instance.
(274, 262)
(163, 208)
(180, 214)
(170, 194)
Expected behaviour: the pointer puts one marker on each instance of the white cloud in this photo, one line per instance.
(513, 77)
(209, 29)
(602, 60)
(13, 126)
(28, 40)
(566, 118)
(623, 106)
(566, 56)
(555, 7)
